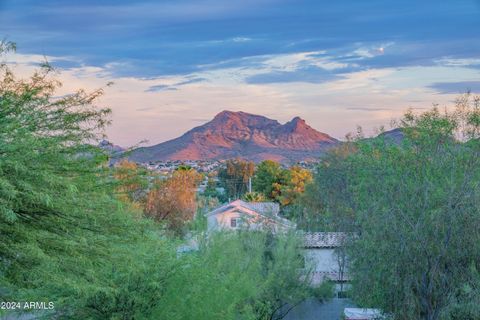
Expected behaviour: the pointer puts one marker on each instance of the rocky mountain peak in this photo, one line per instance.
(239, 134)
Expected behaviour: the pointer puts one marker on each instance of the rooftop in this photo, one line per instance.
(324, 239)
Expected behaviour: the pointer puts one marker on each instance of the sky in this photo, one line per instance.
(175, 64)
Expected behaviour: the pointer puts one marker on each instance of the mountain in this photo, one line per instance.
(239, 134)
(396, 135)
(110, 147)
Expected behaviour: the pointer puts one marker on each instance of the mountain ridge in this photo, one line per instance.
(244, 135)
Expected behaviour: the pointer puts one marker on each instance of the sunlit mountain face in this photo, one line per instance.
(242, 135)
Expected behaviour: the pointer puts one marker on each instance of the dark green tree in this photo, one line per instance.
(414, 207)
(269, 179)
(234, 177)
(65, 236)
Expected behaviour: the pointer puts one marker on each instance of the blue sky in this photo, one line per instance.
(177, 63)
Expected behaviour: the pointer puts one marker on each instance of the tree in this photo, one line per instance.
(173, 199)
(212, 191)
(132, 182)
(327, 203)
(253, 197)
(241, 275)
(55, 132)
(66, 238)
(285, 280)
(414, 206)
(59, 211)
(279, 184)
(234, 177)
(269, 179)
(297, 179)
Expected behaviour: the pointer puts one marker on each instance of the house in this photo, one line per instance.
(249, 215)
(324, 252)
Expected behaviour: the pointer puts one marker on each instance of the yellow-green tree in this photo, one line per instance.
(280, 184)
(59, 211)
(298, 178)
(269, 179)
(253, 197)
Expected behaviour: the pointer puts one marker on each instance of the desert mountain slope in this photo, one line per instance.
(239, 134)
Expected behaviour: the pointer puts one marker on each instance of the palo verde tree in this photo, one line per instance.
(243, 275)
(44, 143)
(65, 236)
(415, 207)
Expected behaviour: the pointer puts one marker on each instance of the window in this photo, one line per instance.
(233, 222)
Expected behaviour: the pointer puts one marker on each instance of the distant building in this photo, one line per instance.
(249, 215)
(324, 251)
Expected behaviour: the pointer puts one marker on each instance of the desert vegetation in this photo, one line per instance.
(102, 242)
(413, 207)
(87, 238)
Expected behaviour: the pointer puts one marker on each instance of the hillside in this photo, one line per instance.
(239, 134)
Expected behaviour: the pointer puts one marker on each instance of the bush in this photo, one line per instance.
(324, 292)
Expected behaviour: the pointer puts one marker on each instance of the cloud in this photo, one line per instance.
(241, 39)
(158, 38)
(203, 120)
(456, 87)
(459, 62)
(309, 74)
(172, 87)
(334, 96)
(160, 87)
(190, 81)
(372, 109)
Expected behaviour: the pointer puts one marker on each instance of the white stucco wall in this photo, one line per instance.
(221, 221)
(323, 259)
(325, 266)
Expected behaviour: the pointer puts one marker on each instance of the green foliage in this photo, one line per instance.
(44, 152)
(465, 304)
(415, 209)
(132, 282)
(294, 187)
(245, 275)
(65, 236)
(269, 177)
(279, 184)
(253, 197)
(184, 167)
(234, 177)
(68, 238)
(328, 203)
(323, 292)
(212, 192)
